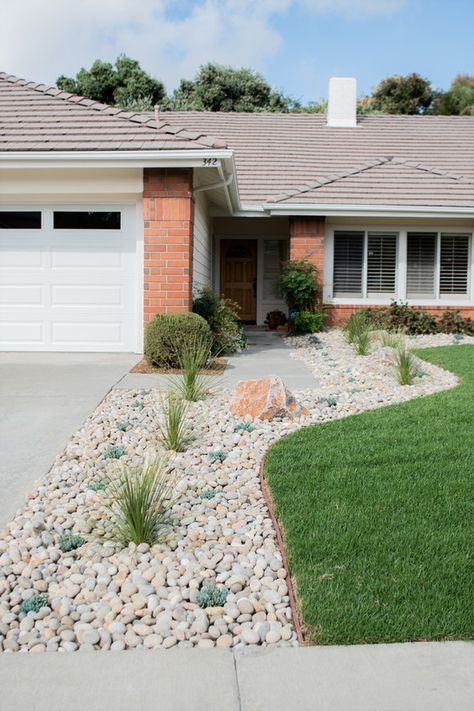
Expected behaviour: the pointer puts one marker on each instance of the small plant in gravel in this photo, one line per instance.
(331, 401)
(114, 452)
(70, 541)
(362, 342)
(211, 596)
(208, 494)
(34, 603)
(406, 366)
(123, 426)
(244, 427)
(217, 455)
(98, 485)
(141, 502)
(315, 341)
(138, 404)
(193, 384)
(390, 340)
(174, 429)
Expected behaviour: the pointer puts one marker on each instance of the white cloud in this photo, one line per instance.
(40, 39)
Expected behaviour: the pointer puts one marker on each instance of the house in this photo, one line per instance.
(108, 217)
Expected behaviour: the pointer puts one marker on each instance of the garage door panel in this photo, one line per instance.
(21, 295)
(69, 290)
(22, 333)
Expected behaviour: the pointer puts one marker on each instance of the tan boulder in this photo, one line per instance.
(265, 398)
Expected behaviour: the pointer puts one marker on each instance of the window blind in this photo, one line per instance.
(454, 264)
(381, 263)
(348, 263)
(421, 252)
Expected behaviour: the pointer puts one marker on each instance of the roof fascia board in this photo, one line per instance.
(195, 158)
(331, 210)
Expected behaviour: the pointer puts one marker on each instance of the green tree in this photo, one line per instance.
(223, 88)
(459, 99)
(125, 84)
(411, 94)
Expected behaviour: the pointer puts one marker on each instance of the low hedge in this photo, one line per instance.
(167, 336)
(401, 317)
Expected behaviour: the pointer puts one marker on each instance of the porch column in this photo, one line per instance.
(307, 241)
(168, 214)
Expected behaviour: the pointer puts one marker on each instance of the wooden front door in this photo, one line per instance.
(239, 275)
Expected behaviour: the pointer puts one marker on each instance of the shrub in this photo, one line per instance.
(193, 384)
(451, 321)
(274, 319)
(167, 336)
(211, 596)
(141, 502)
(222, 315)
(34, 603)
(70, 541)
(298, 285)
(406, 367)
(174, 429)
(307, 322)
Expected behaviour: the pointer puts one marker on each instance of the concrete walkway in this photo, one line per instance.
(396, 677)
(44, 399)
(266, 355)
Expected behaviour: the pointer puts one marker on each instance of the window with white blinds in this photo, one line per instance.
(454, 264)
(348, 263)
(381, 263)
(421, 255)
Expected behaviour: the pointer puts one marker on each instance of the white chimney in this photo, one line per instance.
(342, 102)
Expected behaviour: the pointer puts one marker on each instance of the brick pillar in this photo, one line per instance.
(307, 241)
(168, 213)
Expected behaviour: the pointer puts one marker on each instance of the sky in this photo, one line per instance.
(296, 44)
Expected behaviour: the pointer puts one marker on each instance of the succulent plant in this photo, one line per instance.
(217, 456)
(211, 596)
(208, 494)
(331, 401)
(123, 426)
(244, 427)
(70, 541)
(98, 485)
(34, 603)
(138, 404)
(114, 452)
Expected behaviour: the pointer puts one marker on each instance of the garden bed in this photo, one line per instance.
(217, 366)
(107, 596)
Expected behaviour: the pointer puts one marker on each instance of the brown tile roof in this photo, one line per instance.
(296, 158)
(35, 117)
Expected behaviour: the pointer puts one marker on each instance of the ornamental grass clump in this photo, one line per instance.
(355, 325)
(141, 502)
(390, 340)
(406, 366)
(174, 428)
(194, 384)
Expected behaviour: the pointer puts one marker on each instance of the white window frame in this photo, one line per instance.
(401, 267)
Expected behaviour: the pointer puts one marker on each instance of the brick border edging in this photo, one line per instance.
(279, 535)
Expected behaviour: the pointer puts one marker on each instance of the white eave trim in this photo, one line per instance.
(332, 210)
(194, 158)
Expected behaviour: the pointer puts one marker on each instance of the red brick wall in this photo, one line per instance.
(339, 313)
(168, 213)
(307, 241)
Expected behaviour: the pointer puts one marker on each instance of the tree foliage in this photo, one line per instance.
(411, 94)
(459, 99)
(223, 88)
(125, 84)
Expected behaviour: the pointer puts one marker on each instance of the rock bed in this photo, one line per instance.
(104, 596)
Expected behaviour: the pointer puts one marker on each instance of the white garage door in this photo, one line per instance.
(68, 279)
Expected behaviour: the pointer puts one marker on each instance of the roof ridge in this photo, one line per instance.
(326, 180)
(131, 116)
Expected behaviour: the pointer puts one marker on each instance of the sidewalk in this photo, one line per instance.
(266, 355)
(386, 677)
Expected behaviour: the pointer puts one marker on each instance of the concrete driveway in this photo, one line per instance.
(44, 399)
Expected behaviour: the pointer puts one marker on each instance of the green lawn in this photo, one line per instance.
(377, 513)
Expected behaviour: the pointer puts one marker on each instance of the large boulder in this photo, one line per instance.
(265, 398)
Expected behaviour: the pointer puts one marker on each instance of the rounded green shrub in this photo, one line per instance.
(168, 336)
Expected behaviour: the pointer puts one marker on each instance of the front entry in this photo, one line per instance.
(239, 275)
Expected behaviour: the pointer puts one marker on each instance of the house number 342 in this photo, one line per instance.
(209, 161)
